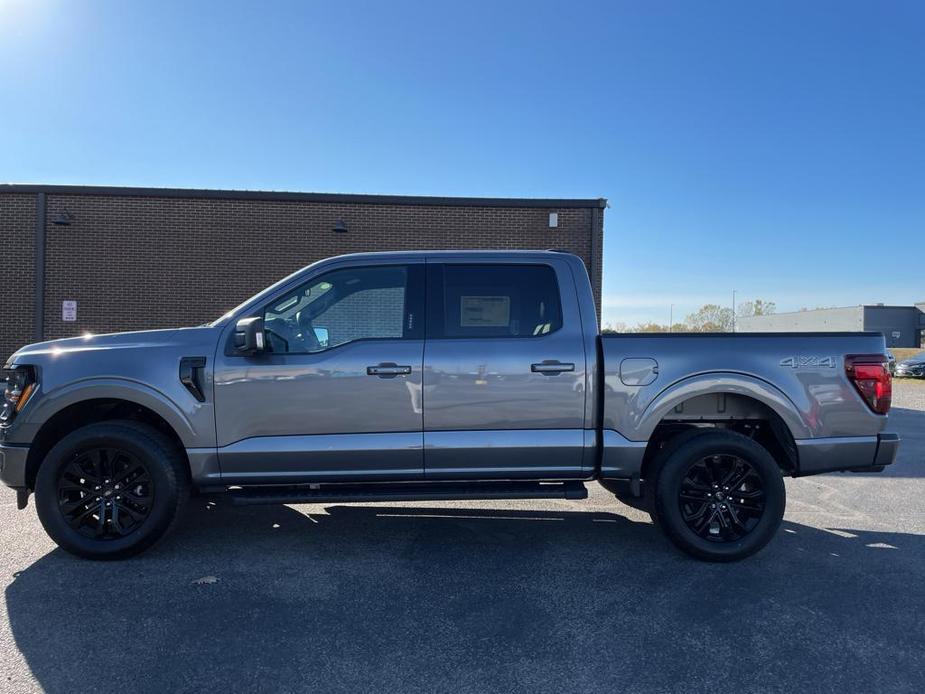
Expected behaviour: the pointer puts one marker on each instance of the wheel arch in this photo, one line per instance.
(101, 406)
(726, 401)
(724, 383)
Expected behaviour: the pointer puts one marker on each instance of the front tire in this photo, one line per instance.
(719, 496)
(111, 490)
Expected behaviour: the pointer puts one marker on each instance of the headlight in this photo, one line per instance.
(20, 384)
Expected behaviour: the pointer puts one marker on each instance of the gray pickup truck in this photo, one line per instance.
(433, 376)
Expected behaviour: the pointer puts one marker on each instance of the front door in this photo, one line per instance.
(337, 394)
(504, 371)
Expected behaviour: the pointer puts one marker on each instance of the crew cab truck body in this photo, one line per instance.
(435, 375)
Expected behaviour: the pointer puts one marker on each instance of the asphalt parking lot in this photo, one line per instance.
(476, 597)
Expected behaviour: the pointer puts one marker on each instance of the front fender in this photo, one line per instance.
(179, 417)
(721, 382)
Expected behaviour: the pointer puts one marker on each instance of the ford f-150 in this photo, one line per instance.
(428, 376)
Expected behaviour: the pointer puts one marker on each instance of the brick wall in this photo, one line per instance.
(17, 248)
(135, 262)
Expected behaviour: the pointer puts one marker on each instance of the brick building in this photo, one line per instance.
(134, 258)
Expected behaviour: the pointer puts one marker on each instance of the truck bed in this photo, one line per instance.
(797, 380)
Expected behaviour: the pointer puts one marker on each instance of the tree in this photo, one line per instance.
(650, 327)
(618, 327)
(758, 307)
(711, 318)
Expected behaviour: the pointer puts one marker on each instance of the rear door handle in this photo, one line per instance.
(551, 367)
(388, 370)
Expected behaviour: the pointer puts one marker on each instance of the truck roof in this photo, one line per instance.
(499, 253)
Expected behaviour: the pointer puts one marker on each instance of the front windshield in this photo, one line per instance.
(256, 297)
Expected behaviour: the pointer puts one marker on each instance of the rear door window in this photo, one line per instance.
(500, 301)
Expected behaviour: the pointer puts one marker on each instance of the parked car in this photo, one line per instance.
(891, 361)
(913, 367)
(442, 375)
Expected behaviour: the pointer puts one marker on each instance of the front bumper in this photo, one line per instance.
(13, 465)
(846, 454)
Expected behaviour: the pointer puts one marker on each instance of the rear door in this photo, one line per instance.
(504, 371)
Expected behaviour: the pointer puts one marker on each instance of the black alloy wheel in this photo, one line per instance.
(105, 493)
(716, 494)
(111, 489)
(722, 498)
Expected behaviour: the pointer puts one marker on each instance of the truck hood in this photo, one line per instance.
(141, 339)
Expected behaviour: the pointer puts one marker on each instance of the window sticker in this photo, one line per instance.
(484, 311)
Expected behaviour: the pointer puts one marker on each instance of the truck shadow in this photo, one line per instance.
(420, 598)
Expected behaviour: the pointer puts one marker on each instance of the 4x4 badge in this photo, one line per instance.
(809, 362)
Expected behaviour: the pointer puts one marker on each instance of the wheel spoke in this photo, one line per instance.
(77, 475)
(705, 522)
(695, 515)
(129, 471)
(735, 517)
(78, 520)
(96, 457)
(82, 467)
(135, 515)
(745, 506)
(70, 506)
(713, 462)
(114, 519)
(72, 486)
(101, 521)
(737, 473)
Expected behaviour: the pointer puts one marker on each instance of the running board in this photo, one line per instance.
(423, 491)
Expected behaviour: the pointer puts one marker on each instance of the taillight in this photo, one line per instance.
(870, 374)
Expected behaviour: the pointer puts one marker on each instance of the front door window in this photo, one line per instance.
(339, 307)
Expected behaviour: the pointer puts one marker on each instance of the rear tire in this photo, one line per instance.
(718, 495)
(111, 490)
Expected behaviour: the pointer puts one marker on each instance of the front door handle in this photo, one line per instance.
(388, 369)
(551, 368)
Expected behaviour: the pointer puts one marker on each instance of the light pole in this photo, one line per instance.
(670, 317)
(733, 310)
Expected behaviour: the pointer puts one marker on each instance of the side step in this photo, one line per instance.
(409, 491)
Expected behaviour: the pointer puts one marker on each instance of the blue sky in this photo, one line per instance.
(774, 148)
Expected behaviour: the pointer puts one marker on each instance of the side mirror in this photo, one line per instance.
(249, 337)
